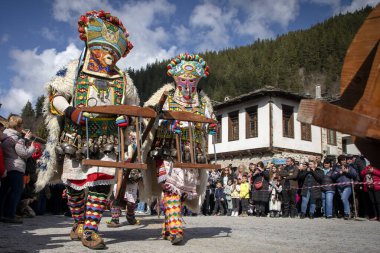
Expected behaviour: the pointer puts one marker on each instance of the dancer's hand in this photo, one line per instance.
(75, 115)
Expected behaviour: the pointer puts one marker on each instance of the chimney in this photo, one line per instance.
(318, 92)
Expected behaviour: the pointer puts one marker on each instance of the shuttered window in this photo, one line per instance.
(287, 121)
(251, 122)
(233, 126)
(331, 137)
(305, 132)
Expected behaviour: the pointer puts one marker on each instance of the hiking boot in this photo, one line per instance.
(175, 239)
(113, 224)
(92, 240)
(76, 232)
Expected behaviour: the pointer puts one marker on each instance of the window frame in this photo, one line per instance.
(232, 135)
(290, 128)
(251, 112)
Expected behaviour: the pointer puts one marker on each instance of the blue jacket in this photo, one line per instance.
(345, 177)
(219, 193)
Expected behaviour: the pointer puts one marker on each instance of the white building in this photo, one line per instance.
(262, 125)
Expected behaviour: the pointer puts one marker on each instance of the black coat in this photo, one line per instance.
(327, 179)
(263, 193)
(315, 179)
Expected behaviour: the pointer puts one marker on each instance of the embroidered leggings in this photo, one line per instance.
(172, 224)
(89, 213)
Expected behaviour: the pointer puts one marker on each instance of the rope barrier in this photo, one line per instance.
(324, 185)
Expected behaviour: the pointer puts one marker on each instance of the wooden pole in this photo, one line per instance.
(178, 148)
(191, 142)
(138, 139)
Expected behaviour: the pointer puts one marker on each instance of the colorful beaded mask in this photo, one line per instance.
(101, 30)
(187, 70)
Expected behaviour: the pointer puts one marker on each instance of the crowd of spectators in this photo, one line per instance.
(343, 189)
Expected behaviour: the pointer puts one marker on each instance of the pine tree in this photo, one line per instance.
(28, 116)
(39, 105)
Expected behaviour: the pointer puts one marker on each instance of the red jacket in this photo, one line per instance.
(2, 165)
(375, 177)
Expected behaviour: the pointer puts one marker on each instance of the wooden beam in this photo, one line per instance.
(196, 166)
(186, 116)
(333, 117)
(109, 164)
(130, 110)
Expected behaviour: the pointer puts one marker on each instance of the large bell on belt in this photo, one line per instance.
(60, 153)
(64, 145)
(83, 151)
(70, 150)
(108, 148)
(79, 156)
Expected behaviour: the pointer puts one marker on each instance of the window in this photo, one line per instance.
(233, 126)
(287, 121)
(218, 136)
(331, 137)
(251, 126)
(305, 132)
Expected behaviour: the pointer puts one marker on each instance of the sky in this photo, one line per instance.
(39, 37)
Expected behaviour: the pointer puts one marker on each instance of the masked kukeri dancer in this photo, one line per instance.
(94, 80)
(180, 186)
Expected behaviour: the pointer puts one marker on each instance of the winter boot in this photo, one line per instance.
(76, 232)
(92, 240)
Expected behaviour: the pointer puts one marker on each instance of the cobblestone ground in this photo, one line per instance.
(202, 234)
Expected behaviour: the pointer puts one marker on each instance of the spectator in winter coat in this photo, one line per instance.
(219, 199)
(15, 154)
(371, 176)
(311, 176)
(343, 174)
(260, 189)
(328, 190)
(289, 183)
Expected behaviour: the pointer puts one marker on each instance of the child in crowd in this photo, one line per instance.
(244, 195)
(275, 198)
(219, 199)
(227, 193)
(235, 196)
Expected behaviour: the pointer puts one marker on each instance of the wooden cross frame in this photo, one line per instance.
(154, 116)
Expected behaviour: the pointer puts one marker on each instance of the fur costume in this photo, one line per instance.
(151, 185)
(94, 80)
(63, 83)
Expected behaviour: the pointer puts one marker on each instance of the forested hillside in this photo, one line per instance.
(295, 61)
